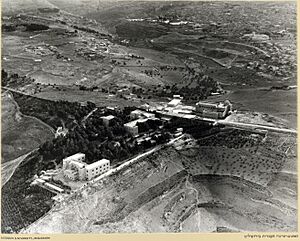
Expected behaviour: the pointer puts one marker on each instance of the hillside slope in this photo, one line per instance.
(20, 134)
(12, 6)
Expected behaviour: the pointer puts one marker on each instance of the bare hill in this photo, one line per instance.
(12, 6)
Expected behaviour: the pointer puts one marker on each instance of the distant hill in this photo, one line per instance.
(15, 6)
(82, 7)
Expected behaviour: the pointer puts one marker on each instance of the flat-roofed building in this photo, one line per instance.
(174, 102)
(107, 119)
(136, 114)
(79, 167)
(72, 164)
(177, 97)
(213, 110)
(79, 170)
(132, 128)
(97, 168)
(40, 181)
(54, 188)
(78, 157)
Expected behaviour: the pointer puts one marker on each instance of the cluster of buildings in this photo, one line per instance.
(175, 102)
(177, 22)
(137, 116)
(92, 48)
(173, 108)
(41, 50)
(203, 109)
(43, 181)
(75, 168)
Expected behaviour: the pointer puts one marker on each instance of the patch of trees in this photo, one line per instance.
(148, 125)
(14, 80)
(137, 57)
(174, 68)
(198, 85)
(49, 10)
(163, 137)
(35, 27)
(139, 31)
(89, 30)
(195, 128)
(203, 87)
(92, 88)
(85, 29)
(4, 77)
(232, 139)
(8, 27)
(94, 139)
(52, 112)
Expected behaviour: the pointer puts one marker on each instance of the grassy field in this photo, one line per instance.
(20, 134)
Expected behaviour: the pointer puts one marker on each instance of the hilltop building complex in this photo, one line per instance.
(75, 168)
(216, 111)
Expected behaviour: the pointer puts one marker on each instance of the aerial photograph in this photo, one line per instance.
(148, 116)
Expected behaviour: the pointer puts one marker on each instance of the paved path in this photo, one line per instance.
(239, 125)
(16, 91)
(88, 116)
(255, 127)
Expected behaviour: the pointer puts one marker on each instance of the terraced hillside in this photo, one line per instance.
(190, 190)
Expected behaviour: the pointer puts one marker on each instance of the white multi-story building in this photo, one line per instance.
(97, 168)
(78, 157)
(74, 167)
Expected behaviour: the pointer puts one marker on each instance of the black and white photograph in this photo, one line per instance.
(148, 117)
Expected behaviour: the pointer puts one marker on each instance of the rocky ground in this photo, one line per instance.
(210, 187)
